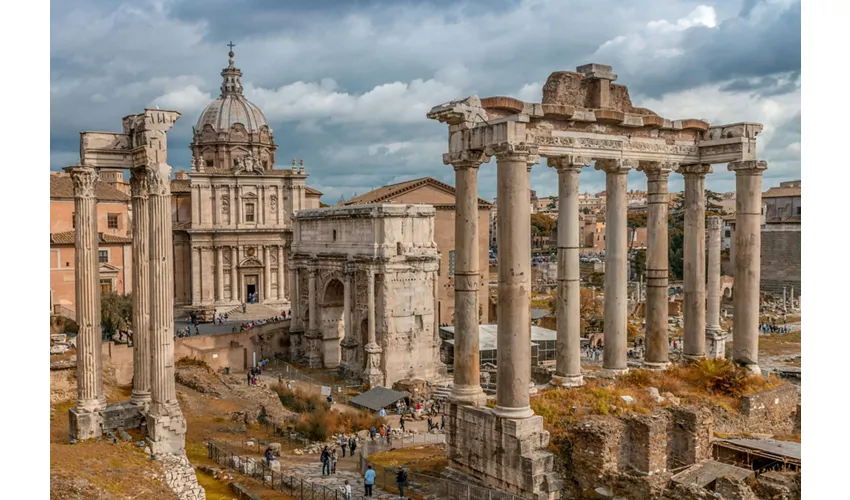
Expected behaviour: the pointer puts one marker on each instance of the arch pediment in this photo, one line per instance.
(251, 262)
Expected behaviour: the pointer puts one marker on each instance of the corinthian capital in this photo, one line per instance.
(748, 167)
(712, 222)
(468, 158)
(514, 151)
(139, 183)
(159, 178)
(84, 179)
(568, 162)
(619, 166)
(696, 169)
(657, 169)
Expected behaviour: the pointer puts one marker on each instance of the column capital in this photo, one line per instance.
(159, 178)
(568, 162)
(712, 222)
(84, 179)
(139, 183)
(657, 169)
(468, 158)
(618, 166)
(748, 167)
(514, 151)
(695, 169)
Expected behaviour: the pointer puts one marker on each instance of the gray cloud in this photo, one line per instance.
(345, 84)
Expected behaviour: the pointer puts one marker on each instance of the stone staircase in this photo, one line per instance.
(252, 312)
(441, 393)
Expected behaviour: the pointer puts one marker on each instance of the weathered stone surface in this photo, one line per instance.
(180, 477)
(689, 433)
(776, 404)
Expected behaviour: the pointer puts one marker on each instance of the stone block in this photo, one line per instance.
(167, 433)
(275, 447)
(58, 349)
(647, 443)
(689, 435)
(84, 425)
(124, 415)
(274, 465)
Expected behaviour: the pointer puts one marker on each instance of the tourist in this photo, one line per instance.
(288, 385)
(373, 433)
(346, 491)
(401, 422)
(269, 456)
(430, 424)
(343, 443)
(389, 436)
(326, 461)
(197, 330)
(383, 412)
(244, 308)
(333, 461)
(442, 422)
(352, 445)
(330, 400)
(401, 480)
(369, 480)
(250, 376)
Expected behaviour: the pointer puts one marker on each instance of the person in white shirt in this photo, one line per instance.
(346, 490)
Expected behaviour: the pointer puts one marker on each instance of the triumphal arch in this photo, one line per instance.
(365, 291)
(583, 118)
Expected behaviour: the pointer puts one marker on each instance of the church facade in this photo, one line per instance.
(232, 212)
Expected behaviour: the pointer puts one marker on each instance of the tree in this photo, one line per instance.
(634, 220)
(323, 205)
(542, 225)
(676, 230)
(585, 210)
(116, 312)
(639, 262)
(589, 310)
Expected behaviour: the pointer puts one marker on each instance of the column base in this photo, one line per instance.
(613, 372)
(656, 365)
(567, 381)
(142, 400)
(84, 424)
(513, 413)
(314, 348)
(752, 368)
(167, 433)
(470, 395)
(715, 343)
(693, 358)
(506, 453)
(373, 373)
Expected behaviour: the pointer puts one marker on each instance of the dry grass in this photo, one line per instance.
(429, 459)
(709, 382)
(779, 344)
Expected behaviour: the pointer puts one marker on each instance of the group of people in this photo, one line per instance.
(257, 322)
(369, 482)
(433, 425)
(593, 352)
(328, 458)
(772, 327)
(256, 371)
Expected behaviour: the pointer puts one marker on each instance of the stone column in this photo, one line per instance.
(373, 350)
(791, 302)
(657, 272)
(280, 285)
(694, 259)
(616, 264)
(296, 327)
(267, 273)
(784, 299)
(568, 313)
(166, 425)
(348, 343)
(313, 335)
(714, 336)
(85, 419)
(748, 180)
(141, 290)
(467, 383)
(234, 275)
(196, 275)
(219, 274)
(513, 162)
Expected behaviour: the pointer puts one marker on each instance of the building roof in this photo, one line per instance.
(62, 187)
(309, 190)
(231, 107)
(787, 449)
(67, 238)
(377, 398)
(387, 193)
(488, 334)
(180, 186)
(704, 473)
(782, 192)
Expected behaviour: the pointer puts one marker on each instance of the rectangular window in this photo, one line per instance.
(209, 163)
(112, 221)
(798, 210)
(249, 212)
(73, 220)
(105, 286)
(103, 256)
(451, 262)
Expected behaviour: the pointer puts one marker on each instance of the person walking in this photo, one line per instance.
(346, 491)
(343, 443)
(442, 422)
(352, 445)
(401, 481)
(368, 481)
(333, 461)
(326, 461)
(250, 376)
(401, 422)
(244, 308)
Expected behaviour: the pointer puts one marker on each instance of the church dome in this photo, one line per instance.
(231, 107)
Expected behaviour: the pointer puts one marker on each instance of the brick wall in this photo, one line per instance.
(780, 260)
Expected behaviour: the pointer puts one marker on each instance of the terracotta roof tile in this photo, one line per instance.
(780, 192)
(386, 193)
(67, 238)
(61, 186)
(309, 190)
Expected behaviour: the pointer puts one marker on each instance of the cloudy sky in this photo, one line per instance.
(345, 84)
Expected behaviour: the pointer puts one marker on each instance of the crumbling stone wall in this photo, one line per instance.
(690, 431)
(647, 443)
(781, 260)
(776, 406)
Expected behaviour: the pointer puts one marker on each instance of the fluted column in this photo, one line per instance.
(166, 425)
(313, 335)
(219, 274)
(467, 383)
(694, 259)
(141, 290)
(234, 276)
(267, 273)
(90, 398)
(280, 288)
(714, 336)
(616, 264)
(657, 263)
(568, 312)
(748, 181)
(513, 164)
(373, 350)
(346, 305)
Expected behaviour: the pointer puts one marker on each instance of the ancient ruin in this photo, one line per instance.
(365, 291)
(583, 117)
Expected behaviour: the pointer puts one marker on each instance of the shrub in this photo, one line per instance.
(187, 361)
(721, 376)
(299, 402)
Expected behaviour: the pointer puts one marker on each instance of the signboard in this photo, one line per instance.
(326, 391)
